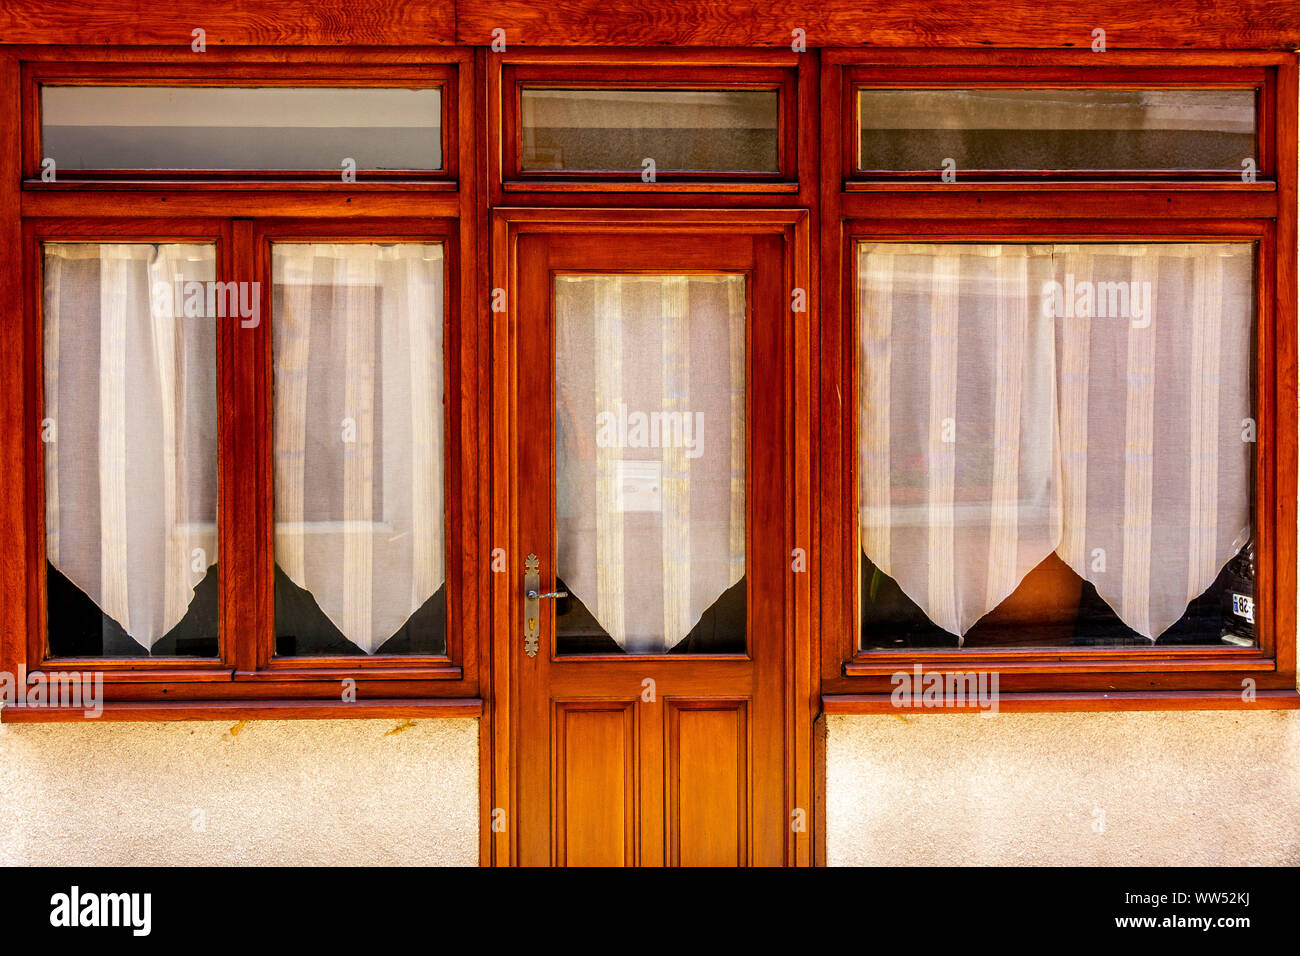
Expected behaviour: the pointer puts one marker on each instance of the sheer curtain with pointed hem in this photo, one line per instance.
(1092, 400)
(129, 431)
(650, 449)
(359, 436)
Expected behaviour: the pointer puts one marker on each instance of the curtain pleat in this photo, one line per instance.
(1139, 464)
(118, 302)
(608, 371)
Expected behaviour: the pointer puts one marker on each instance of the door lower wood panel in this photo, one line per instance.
(707, 743)
(595, 774)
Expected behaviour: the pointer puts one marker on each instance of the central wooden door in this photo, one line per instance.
(650, 563)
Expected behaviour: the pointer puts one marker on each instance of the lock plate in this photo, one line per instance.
(532, 614)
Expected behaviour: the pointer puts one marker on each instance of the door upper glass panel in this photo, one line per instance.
(650, 463)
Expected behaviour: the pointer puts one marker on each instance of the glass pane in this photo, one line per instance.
(1056, 444)
(357, 333)
(1056, 129)
(264, 128)
(650, 463)
(129, 435)
(681, 130)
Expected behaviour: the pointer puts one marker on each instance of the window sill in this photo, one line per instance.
(1027, 183)
(662, 185)
(384, 709)
(1071, 702)
(143, 181)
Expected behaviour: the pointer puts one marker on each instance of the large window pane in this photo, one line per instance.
(681, 130)
(129, 434)
(650, 463)
(917, 130)
(1056, 444)
(268, 128)
(359, 438)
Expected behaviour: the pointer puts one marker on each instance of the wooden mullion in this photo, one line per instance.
(1284, 364)
(247, 621)
(16, 568)
(791, 75)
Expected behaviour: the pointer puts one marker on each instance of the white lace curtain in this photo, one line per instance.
(650, 449)
(129, 429)
(359, 433)
(1017, 400)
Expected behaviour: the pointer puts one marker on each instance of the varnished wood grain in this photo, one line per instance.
(230, 22)
(14, 439)
(1142, 24)
(283, 709)
(595, 780)
(1286, 367)
(1061, 702)
(708, 783)
(1133, 24)
(689, 67)
(530, 247)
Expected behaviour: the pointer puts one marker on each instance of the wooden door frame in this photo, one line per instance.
(497, 750)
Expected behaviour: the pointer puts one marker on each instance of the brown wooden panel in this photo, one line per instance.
(14, 577)
(747, 760)
(1133, 24)
(280, 709)
(230, 23)
(595, 783)
(1066, 702)
(708, 783)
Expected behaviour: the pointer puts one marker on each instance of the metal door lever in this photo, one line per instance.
(533, 594)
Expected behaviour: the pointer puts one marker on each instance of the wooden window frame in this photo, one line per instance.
(518, 77)
(243, 216)
(792, 74)
(1047, 209)
(227, 74)
(1259, 78)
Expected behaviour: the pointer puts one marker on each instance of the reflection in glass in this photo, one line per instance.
(357, 332)
(1054, 444)
(266, 128)
(129, 439)
(1056, 129)
(680, 130)
(650, 463)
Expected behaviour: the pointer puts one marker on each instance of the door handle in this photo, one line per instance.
(532, 611)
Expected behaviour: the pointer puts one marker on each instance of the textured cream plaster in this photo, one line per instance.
(1160, 788)
(215, 792)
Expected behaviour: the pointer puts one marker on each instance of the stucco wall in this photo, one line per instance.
(265, 792)
(1196, 788)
